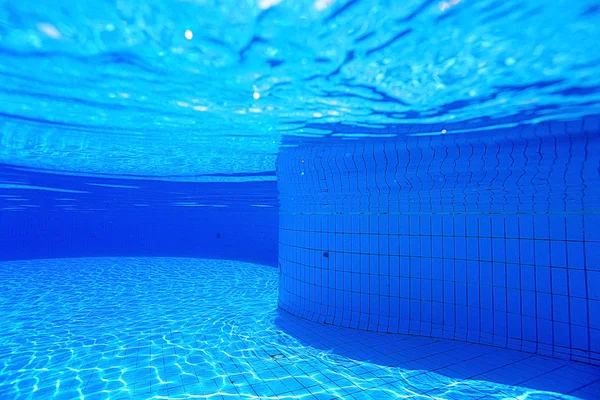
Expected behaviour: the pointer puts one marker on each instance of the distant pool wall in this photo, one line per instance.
(489, 237)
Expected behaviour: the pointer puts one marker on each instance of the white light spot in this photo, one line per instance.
(189, 34)
(200, 108)
(444, 131)
(317, 115)
(256, 95)
(49, 30)
(445, 5)
(320, 5)
(266, 4)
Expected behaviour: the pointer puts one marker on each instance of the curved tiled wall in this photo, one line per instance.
(491, 238)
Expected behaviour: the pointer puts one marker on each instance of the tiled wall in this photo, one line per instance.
(490, 237)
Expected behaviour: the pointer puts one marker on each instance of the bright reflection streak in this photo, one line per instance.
(445, 5)
(266, 4)
(49, 30)
(323, 4)
(189, 34)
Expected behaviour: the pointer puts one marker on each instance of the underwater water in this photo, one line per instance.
(148, 327)
(299, 199)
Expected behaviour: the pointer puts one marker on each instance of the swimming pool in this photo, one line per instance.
(299, 199)
(149, 328)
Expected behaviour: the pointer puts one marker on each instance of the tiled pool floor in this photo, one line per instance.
(175, 328)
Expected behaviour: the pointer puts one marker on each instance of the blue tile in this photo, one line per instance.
(528, 302)
(448, 225)
(415, 245)
(577, 282)
(425, 289)
(526, 251)
(526, 227)
(575, 255)
(448, 247)
(460, 226)
(514, 301)
(486, 273)
(512, 226)
(485, 226)
(437, 291)
(404, 246)
(579, 337)
(529, 328)
(394, 244)
(473, 322)
(499, 250)
(500, 301)
(544, 329)
(460, 270)
(575, 227)
(448, 270)
(425, 246)
(425, 225)
(513, 279)
(543, 279)
(512, 250)
(592, 226)
(461, 293)
(557, 227)
(473, 271)
(498, 226)
(436, 225)
(558, 253)
(514, 326)
(485, 296)
(592, 255)
(499, 274)
(374, 244)
(593, 284)
(541, 226)
(544, 305)
(578, 311)
(559, 281)
(473, 248)
(426, 272)
(384, 225)
(472, 225)
(542, 252)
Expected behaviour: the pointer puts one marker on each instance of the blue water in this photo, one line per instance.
(145, 147)
(150, 328)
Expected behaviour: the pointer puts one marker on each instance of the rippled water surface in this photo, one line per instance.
(183, 328)
(179, 89)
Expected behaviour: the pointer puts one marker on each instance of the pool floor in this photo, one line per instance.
(117, 328)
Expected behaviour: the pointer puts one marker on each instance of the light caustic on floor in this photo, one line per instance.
(184, 328)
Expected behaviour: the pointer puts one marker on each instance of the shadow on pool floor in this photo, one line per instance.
(459, 361)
